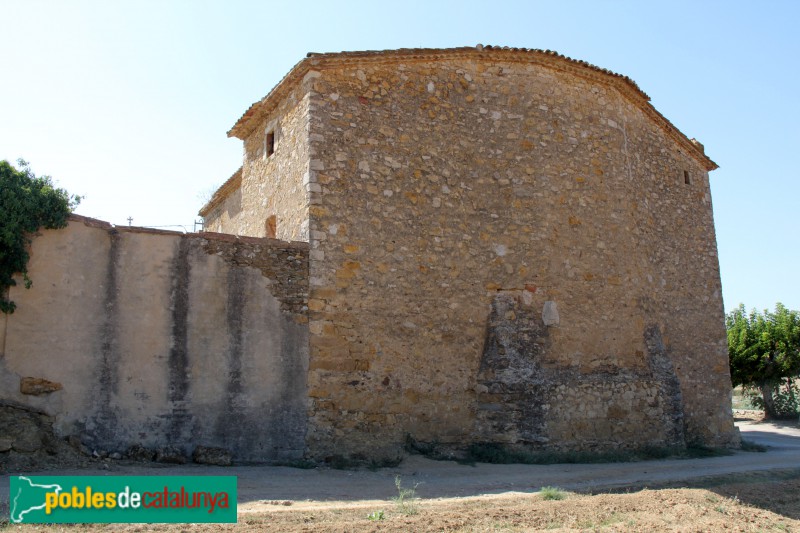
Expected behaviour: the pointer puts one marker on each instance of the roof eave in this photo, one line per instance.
(224, 190)
(626, 86)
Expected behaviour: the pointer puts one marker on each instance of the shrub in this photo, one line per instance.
(552, 493)
(27, 203)
(785, 399)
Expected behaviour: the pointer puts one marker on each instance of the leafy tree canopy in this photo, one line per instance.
(27, 203)
(764, 349)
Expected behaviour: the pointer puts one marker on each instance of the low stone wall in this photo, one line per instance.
(135, 336)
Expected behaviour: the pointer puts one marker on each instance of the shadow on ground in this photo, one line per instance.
(777, 491)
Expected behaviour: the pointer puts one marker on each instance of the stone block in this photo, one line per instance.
(137, 452)
(316, 305)
(170, 454)
(27, 442)
(550, 315)
(38, 386)
(209, 455)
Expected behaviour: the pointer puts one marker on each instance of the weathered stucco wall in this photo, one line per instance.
(453, 188)
(165, 339)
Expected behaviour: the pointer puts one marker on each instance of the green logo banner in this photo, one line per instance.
(122, 499)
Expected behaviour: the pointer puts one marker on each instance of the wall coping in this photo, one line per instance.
(207, 235)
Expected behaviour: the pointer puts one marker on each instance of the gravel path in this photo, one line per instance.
(440, 479)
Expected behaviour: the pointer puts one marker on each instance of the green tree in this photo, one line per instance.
(764, 350)
(27, 203)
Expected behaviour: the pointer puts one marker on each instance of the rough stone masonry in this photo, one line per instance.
(507, 246)
(501, 246)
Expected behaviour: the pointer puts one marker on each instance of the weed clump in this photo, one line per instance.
(552, 493)
(376, 516)
(407, 501)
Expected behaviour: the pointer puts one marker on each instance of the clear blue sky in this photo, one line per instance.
(128, 102)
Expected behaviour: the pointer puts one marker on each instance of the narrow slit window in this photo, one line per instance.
(269, 143)
(272, 226)
(686, 178)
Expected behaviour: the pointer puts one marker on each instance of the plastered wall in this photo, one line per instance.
(159, 338)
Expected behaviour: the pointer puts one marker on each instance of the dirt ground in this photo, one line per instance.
(743, 505)
(739, 503)
(746, 491)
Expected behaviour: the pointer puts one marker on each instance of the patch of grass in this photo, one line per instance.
(407, 501)
(552, 493)
(375, 516)
(750, 446)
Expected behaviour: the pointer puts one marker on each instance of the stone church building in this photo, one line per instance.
(456, 246)
(506, 245)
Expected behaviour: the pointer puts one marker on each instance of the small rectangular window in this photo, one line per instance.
(269, 148)
(686, 179)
